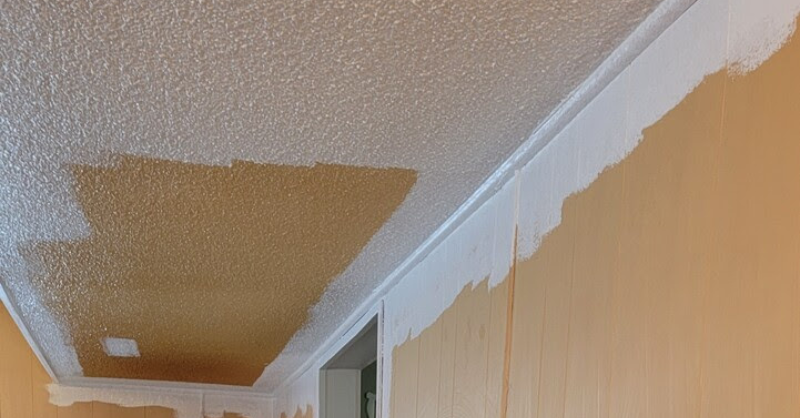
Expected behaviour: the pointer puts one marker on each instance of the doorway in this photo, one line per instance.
(349, 381)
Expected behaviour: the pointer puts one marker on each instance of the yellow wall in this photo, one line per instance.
(439, 373)
(671, 287)
(23, 380)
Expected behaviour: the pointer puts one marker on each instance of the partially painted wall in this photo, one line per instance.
(23, 385)
(671, 286)
(655, 267)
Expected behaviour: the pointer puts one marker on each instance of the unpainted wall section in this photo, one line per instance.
(23, 385)
(671, 286)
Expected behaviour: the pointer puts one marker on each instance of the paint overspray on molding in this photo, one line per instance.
(683, 258)
(185, 403)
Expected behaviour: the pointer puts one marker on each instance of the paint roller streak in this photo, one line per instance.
(210, 269)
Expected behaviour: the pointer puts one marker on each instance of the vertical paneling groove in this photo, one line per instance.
(472, 352)
(495, 369)
(428, 375)
(447, 366)
(405, 366)
(509, 328)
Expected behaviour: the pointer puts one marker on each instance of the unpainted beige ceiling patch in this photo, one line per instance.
(209, 269)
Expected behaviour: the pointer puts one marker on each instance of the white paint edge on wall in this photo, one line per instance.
(187, 402)
(664, 16)
(605, 131)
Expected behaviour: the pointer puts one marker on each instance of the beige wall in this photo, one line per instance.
(23, 380)
(438, 373)
(670, 288)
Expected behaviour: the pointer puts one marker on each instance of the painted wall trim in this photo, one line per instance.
(648, 31)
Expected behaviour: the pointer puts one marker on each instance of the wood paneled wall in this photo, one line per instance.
(671, 287)
(455, 367)
(23, 381)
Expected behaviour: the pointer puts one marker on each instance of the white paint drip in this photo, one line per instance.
(481, 248)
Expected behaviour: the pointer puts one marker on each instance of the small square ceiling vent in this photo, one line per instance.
(120, 347)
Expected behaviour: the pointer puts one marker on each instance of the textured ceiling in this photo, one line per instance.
(446, 89)
(211, 270)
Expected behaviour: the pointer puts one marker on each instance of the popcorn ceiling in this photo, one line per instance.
(380, 85)
(210, 269)
(448, 89)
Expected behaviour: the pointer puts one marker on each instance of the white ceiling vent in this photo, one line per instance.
(120, 347)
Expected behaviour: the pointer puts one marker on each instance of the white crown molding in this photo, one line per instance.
(134, 384)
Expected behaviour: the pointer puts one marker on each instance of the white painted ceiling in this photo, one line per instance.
(448, 88)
